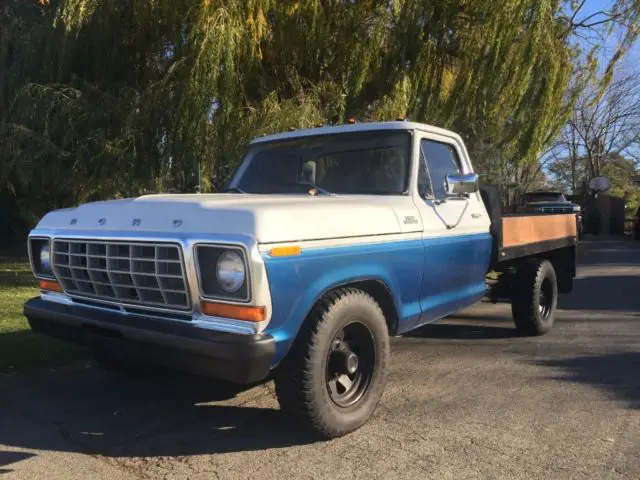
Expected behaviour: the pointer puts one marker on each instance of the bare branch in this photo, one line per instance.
(604, 127)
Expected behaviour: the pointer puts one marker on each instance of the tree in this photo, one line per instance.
(107, 98)
(602, 136)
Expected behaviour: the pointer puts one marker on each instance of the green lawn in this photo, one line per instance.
(19, 347)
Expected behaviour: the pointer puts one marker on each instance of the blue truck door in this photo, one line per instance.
(456, 238)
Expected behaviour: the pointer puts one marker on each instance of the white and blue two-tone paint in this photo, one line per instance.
(405, 243)
(325, 242)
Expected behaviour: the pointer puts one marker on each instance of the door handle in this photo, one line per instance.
(476, 215)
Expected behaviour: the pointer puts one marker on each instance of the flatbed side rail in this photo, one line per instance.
(523, 235)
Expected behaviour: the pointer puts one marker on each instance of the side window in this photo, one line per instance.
(442, 159)
(424, 183)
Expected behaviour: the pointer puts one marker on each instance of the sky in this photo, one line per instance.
(608, 47)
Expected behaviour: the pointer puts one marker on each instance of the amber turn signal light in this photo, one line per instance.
(238, 312)
(285, 251)
(50, 286)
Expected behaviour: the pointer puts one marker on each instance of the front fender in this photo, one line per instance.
(297, 283)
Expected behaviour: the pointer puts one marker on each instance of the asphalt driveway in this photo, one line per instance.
(467, 399)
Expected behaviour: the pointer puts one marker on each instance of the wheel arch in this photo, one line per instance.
(381, 293)
(563, 261)
(375, 286)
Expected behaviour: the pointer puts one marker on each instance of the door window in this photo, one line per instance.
(440, 160)
(424, 183)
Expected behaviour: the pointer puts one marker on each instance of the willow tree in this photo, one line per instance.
(118, 97)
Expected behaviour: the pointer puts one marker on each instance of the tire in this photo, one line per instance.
(535, 297)
(310, 383)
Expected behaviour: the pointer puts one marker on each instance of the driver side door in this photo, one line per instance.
(456, 238)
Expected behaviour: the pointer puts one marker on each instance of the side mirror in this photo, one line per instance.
(458, 184)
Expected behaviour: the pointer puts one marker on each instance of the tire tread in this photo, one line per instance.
(529, 279)
(294, 379)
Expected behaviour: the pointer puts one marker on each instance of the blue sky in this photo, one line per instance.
(608, 47)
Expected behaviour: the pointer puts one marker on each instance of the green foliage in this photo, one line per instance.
(619, 171)
(601, 138)
(19, 347)
(616, 168)
(109, 98)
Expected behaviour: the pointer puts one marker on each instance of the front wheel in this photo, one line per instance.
(334, 375)
(535, 297)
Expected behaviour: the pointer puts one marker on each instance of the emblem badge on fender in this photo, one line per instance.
(73, 221)
(102, 221)
(136, 222)
(177, 223)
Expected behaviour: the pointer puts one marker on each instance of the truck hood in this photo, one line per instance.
(267, 218)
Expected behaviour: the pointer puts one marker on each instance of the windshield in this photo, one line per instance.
(350, 163)
(544, 197)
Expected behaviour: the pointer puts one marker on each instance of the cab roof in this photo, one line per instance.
(356, 127)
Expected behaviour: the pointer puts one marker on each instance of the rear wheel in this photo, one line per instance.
(535, 297)
(335, 373)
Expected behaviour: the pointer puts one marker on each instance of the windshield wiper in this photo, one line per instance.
(233, 190)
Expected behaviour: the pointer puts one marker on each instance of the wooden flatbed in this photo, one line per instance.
(518, 238)
(521, 235)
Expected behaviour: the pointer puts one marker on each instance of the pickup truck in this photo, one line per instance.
(551, 203)
(326, 242)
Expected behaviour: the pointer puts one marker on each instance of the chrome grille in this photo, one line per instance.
(556, 209)
(147, 274)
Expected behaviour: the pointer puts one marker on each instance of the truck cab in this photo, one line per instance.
(368, 203)
(325, 242)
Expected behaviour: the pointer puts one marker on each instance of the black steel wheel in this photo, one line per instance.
(350, 364)
(545, 299)
(334, 375)
(534, 297)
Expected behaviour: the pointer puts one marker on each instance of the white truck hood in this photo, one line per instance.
(267, 218)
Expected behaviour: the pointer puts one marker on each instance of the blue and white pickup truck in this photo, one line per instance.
(325, 243)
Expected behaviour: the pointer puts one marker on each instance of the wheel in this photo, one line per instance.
(535, 297)
(334, 375)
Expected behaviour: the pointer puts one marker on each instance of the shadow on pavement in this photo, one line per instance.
(617, 373)
(615, 293)
(609, 253)
(27, 349)
(7, 458)
(463, 332)
(97, 413)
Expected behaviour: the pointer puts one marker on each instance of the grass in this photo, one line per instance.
(19, 347)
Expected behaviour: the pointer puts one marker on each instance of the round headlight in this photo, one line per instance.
(230, 271)
(45, 258)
